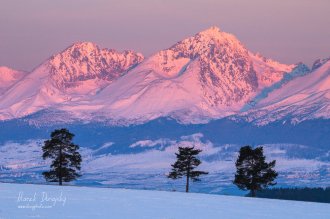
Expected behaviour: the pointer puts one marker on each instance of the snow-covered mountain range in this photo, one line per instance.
(210, 75)
(75, 74)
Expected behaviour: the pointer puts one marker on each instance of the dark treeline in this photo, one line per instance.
(297, 194)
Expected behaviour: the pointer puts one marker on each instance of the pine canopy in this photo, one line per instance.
(185, 165)
(65, 157)
(253, 172)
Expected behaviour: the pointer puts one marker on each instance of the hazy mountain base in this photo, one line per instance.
(231, 130)
(139, 156)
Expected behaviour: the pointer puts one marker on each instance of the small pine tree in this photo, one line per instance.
(65, 157)
(185, 164)
(253, 172)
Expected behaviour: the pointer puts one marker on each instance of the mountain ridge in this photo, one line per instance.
(207, 76)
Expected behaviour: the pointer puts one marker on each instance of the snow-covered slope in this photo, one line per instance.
(269, 71)
(74, 74)
(298, 71)
(305, 97)
(8, 77)
(83, 202)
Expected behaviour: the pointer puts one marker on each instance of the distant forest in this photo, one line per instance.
(297, 194)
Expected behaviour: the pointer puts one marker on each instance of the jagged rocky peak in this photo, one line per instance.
(210, 42)
(85, 60)
(81, 48)
(223, 63)
(213, 30)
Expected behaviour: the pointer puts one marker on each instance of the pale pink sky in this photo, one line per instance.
(287, 30)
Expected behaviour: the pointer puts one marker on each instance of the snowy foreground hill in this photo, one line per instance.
(82, 202)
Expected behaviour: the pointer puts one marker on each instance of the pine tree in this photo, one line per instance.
(65, 157)
(253, 172)
(185, 164)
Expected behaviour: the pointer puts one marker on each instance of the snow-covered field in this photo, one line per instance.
(146, 162)
(83, 202)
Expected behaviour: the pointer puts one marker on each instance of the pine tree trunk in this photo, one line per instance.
(60, 171)
(187, 182)
(253, 193)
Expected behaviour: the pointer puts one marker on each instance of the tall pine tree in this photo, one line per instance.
(65, 157)
(253, 172)
(185, 164)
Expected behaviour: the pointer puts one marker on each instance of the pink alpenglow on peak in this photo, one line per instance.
(9, 77)
(85, 61)
(214, 30)
(78, 72)
(208, 75)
